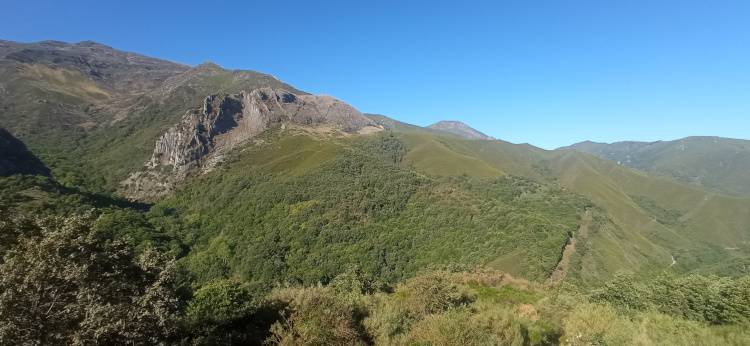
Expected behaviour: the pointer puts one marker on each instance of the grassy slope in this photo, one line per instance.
(435, 154)
(281, 152)
(626, 236)
(322, 202)
(459, 225)
(719, 164)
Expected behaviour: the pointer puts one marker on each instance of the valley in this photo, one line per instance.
(228, 205)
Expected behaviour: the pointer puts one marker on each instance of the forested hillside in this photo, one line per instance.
(80, 267)
(279, 217)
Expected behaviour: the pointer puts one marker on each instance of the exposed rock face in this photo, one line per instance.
(15, 158)
(460, 129)
(226, 121)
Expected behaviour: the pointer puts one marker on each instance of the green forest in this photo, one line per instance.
(349, 247)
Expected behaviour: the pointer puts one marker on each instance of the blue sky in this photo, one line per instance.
(550, 73)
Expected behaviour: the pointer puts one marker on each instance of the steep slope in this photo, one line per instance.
(719, 164)
(16, 159)
(229, 121)
(359, 203)
(92, 113)
(628, 230)
(50, 84)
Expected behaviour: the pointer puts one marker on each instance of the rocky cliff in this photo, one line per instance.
(16, 159)
(226, 121)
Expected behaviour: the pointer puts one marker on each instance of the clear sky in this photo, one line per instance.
(546, 72)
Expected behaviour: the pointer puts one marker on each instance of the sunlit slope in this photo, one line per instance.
(714, 218)
(706, 229)
(301, 205)
(719, 164)
(448, 155)
(293, 152)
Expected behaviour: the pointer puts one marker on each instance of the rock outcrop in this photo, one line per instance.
(226, 121)
(15, 158)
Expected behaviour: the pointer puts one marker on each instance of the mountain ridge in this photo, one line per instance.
(717, 163)
(453, 128)
(201, 125)
(460, 129)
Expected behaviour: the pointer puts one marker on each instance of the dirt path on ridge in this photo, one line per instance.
(562, 267)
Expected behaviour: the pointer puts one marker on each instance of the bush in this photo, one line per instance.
(388, 319)
(220, 302)
(595, 324)
(431, 293)
(69, 284)
(352, 284)
(462, 326)
(315, 317)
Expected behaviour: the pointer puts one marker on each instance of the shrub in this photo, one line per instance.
(315, 317)
(69, 284)
(432, 292)
(220, 302)
(462, 326)
(594, 324)
(388, 319)
(352, 284)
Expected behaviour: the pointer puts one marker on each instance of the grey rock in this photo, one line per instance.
(227, 121)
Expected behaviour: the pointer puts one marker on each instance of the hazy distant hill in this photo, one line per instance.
(720, 164)
(460, 129)
(454, 128)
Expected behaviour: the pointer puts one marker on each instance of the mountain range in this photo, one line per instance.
(247, 164)
(719, 164)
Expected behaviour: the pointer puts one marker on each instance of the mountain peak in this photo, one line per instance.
(459, 128)
(210, 66)
(92, 44)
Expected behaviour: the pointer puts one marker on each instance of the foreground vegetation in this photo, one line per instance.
(82, 269)
(64, 282)
(319, 249)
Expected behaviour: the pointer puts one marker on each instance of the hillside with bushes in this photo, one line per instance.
(183, 205)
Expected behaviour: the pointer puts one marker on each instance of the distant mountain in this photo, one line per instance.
(395, 125)
(720, 164)
(453, 128)
(16, 159)
(460, 129)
